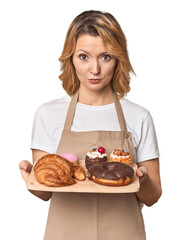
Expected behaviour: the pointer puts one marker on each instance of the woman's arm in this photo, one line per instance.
(25, 168)
(150, 184)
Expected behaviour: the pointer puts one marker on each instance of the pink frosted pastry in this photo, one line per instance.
(71, 157)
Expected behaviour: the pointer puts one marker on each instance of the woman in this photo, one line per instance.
(96, 76)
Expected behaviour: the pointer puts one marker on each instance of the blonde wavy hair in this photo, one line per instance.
(103, 24)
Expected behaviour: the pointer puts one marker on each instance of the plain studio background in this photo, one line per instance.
(32, 38)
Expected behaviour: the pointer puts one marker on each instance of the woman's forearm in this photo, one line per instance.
(150, 191)
(42, 194)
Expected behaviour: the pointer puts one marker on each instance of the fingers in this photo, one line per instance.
(142, 173)
(24, 175)
(25, 165)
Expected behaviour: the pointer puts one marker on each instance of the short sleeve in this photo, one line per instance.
(41, 138)
(148, 146)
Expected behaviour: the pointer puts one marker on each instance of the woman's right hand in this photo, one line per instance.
(25, 169)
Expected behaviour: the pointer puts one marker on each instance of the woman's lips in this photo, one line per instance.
(95, 80)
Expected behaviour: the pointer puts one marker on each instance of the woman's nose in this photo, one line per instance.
(95, 67)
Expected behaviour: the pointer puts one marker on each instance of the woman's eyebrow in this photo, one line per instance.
(81, 50)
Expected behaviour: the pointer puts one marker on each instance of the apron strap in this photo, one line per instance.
(72, 107)
(120, 114)
(71, 112)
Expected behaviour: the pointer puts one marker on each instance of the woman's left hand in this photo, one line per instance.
(150, 184)
(142, 173)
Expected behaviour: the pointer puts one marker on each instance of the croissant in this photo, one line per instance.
(54, 171)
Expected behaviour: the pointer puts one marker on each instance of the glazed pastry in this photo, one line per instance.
(111, 173)
(54, 171)
(94, 156)
(79, 173)
(121, 156)
(71, 157)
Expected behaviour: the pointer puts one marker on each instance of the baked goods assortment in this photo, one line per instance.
(95, 155)
(55, 171)
(115, 171)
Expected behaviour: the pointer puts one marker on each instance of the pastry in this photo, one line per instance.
(111, 173)
(54, 171)
(79, 173)
(94, 156)
(121, 156)
(71, 157)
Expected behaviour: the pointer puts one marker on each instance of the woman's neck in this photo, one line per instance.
(96, 98)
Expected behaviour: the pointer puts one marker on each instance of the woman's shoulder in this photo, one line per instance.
(133, 109)
(56, 103)
(52, 108)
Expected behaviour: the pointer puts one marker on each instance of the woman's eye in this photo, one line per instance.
(83, 57)
(106, 57)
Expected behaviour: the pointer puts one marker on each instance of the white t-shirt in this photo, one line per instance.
(50, 117)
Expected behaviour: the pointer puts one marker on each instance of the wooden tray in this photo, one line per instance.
(86, 186)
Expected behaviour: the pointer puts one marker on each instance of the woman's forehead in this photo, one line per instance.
(90, 43)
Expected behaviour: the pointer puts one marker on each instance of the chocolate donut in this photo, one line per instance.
(111, 173)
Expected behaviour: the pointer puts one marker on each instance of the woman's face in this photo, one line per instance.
(93, 65)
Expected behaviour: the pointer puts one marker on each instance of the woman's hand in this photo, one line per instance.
(25, 166)
(25, 169)
(150, 184)
(142, 173)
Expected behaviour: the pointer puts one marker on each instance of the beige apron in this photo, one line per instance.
(92, 216)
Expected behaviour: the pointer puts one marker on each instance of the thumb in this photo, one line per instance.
(25, 169)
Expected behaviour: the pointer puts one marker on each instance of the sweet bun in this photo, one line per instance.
(121, 156)
(71, 157)
(79, 173)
